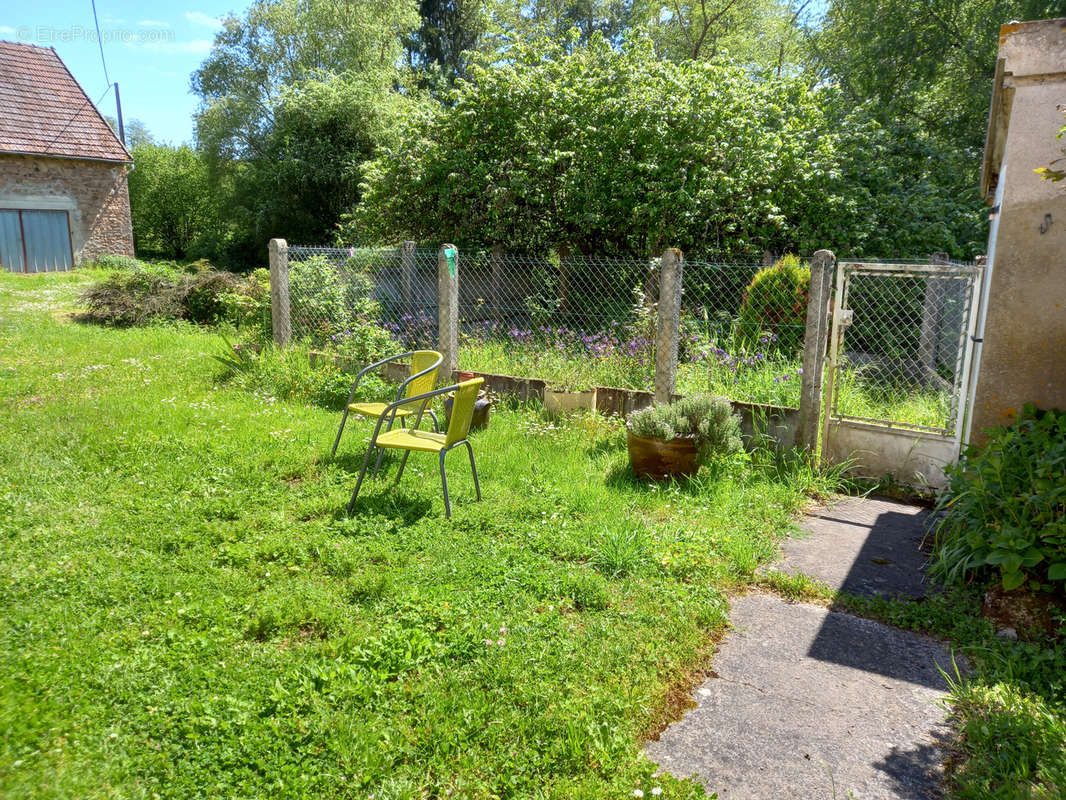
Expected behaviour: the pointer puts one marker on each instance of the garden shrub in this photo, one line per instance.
(365, 342)
(773, 311)
(316, 298)
(149, 292)
(118, 263)
(210, 297)
(1005, 508)
(131, 298)
(709, 419)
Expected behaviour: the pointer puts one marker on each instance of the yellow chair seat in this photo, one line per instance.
(377, 409)
(403, 439)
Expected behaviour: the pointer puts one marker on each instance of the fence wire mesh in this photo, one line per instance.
(572, 320)
(901, 356)
(582, 321)
(339, 296)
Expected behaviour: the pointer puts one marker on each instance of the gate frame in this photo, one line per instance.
(963, 365)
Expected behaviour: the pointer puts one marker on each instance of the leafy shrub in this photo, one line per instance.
(774, 307)
(118, 263)
(131, 298)
(328, 304)
(1005, 507)
(316, 298)
(365, 342)
(149, 292)
(211, 296)
(709, 419)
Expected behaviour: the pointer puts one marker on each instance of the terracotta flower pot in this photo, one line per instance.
(482, 409)
(566, 402)
(659, 460)
(465, 375)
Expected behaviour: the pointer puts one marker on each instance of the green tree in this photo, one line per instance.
(440, 49)
(310, 162)
(137, 132)
(925, 61)
(616, 151)
(173, 208)
(613, 151)
(763, 34)
(294, 95)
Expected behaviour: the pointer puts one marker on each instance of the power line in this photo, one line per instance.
(74, 116)
(100, 42)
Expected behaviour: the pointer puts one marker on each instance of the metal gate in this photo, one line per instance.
(899, 369)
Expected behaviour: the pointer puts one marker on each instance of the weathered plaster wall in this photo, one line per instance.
(94, 194)
(1024, 353)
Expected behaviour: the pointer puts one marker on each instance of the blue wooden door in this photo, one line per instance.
(35, 241)
(47, 239)
(11, 242)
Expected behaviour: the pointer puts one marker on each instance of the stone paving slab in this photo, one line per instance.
(806, 702)
(863, 546)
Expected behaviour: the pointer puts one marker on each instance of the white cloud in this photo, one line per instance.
(200, 18)
(6, 30)
(153, 23)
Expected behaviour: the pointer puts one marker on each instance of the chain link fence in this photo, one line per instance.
(580, 321)
(901, 354)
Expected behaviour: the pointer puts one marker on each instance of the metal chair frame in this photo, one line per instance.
(424, 398)
(399, 395)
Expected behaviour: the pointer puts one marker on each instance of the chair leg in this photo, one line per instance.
(432, 416)
(473, 469)
(340, 430)
(362, 474)
(381, 450)
(444, 485)
(403, 464)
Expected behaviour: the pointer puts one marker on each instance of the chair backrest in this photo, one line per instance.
(463, 410)
(420, 360)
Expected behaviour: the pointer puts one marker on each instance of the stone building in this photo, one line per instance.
(1022, 321)
(63, 193)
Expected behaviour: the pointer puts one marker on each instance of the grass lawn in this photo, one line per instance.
(185, 611)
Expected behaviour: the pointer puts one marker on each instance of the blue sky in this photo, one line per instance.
(151, 50)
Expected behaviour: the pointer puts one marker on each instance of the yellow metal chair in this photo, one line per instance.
(427, 441)
(425, 365)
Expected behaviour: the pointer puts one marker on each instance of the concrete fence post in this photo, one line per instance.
(814, 343)
(279, 292)
(448, 308)
(932, 310)
(495, 287)
(668, 328)
(407, 275)
(564, 278)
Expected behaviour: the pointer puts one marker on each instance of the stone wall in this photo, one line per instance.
(93, 193)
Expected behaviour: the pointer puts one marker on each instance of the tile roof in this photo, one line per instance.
(46, 112)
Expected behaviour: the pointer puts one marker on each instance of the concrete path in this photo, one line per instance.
(862, 546)
(805, 702)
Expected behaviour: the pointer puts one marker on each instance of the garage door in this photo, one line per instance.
(35, 241)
